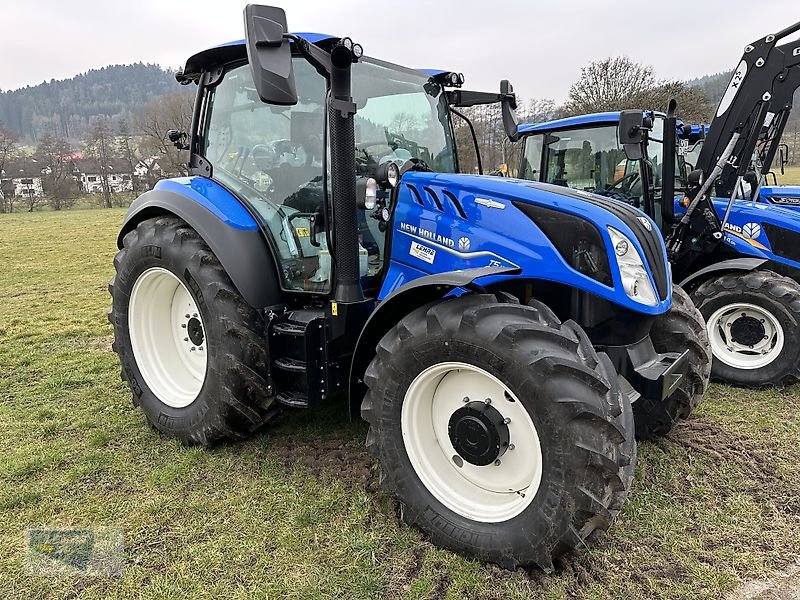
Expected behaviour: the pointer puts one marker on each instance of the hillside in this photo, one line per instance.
(65, 108)
(713, 86)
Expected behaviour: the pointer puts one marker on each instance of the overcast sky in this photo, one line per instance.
(540, 46)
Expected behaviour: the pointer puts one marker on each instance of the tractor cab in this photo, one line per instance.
(273, 157)
(586, 153)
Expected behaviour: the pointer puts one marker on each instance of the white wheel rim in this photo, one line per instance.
(163, 322)
(733, 352)
(491, 493)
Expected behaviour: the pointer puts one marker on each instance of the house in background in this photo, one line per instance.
(89, 175)
(22, 178)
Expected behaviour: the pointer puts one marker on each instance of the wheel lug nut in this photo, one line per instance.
(188, 316)
(488, 401)
(507, 420)
(200, 348)
(195, 315)
(184, 325)
(192, 349)
(497, 463)
(511, 446)
(185, 339)
(466, 399)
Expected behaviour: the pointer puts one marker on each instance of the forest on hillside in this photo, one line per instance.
(67, 108)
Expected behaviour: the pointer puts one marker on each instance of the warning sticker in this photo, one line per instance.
(422, 252)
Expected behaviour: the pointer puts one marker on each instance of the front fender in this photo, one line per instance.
(224, 224)
(401, 302)
(726, 266)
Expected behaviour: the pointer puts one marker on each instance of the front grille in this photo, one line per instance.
(577, 240)
(785, 242)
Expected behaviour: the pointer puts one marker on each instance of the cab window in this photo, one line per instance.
(586, 159)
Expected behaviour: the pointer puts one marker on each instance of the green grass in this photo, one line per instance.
(791, 176)
(296, 512)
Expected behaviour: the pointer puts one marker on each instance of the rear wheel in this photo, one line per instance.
(500, 430)
(752, 322)
(681, 328)
(192, 350)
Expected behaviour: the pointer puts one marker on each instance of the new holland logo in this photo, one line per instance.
(645, 223)
(751, 230)
(463, 244)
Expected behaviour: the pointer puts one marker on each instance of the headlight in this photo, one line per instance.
(635, 279)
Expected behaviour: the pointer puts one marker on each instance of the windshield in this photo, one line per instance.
(272, 156)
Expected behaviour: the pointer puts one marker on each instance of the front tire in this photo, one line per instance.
(752, 322)
(681, 328)
(191, 349)
(554, 408)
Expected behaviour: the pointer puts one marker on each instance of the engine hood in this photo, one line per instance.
(478, 220)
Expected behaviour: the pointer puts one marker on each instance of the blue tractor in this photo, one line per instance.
(505, 340)
(738, 256)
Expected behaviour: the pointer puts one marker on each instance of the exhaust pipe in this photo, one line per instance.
(347, 282)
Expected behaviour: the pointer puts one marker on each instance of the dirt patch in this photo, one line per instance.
(342, 459)
(756, 459)
(783, 585)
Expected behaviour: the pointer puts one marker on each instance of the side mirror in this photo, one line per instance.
(695, 179)
(631, 133)
(508, 103)
(269, 54)
(178, 139)
(751, 178)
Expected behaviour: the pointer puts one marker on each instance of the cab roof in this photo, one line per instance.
(237, 50)
(576, 121)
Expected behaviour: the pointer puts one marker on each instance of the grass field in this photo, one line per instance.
(791, 176)
(296, 512)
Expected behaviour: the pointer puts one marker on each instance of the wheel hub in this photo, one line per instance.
(747, 330)
(479, 433)
(745, 335)
(194, 329)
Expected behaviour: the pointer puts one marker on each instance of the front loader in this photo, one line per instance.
(505, 341)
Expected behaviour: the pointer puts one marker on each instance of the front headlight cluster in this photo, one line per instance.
(635, 279)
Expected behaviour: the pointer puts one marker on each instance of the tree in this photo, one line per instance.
(153, 122)
(126, 148)
(495, 147)
(99, 145)
(693, 106)
(8, 151)
(60, 187)
(610, 84)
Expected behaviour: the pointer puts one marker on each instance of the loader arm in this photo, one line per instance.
(758, 95)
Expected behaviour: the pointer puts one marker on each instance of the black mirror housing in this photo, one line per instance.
(508, 103)
(269, 54)
(631, 133)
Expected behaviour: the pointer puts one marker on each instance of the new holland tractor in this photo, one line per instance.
(738, 257)
(504, 340)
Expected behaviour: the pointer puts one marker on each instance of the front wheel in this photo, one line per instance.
(752, 322)
(500, 430)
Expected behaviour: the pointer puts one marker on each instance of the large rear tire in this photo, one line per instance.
(752, 322)
(191, 349)
(681, 328)
(539, 470)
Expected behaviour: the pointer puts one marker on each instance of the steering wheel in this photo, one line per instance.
(629, 177)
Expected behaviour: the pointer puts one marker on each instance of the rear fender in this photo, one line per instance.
(224, 224)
